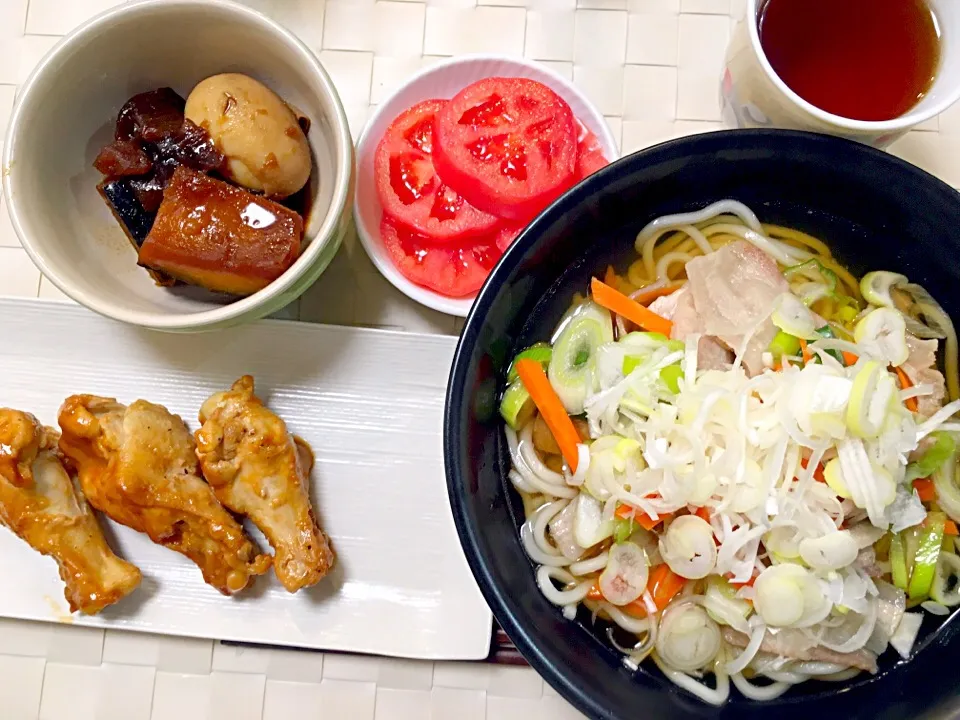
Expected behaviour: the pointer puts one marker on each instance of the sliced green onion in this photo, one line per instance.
(911, 543)
(634, 404)
(622, 529)
(671, 375)
(654, 337)
(887, 328)
(784, 344)
(947, 576)
(873, 395)
(875, 287)
(623, 450)
(541, 353)
(834, 477)
(650, 341)
(631, 363)
(948, 496)
(827, 332)
(942, 450)
(723, 605)
(573, 360)
(793, 317)
(811, 281)
(641, 345)
(847, 313)
(898, 562)
(928, 553)
(589, 527)
(516, 406)
(924, 317)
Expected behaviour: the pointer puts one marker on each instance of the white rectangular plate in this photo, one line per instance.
(369, 402)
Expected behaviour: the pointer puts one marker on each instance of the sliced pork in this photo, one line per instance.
(795, 645)
(679, 307)
(733, 291)
(921, 368)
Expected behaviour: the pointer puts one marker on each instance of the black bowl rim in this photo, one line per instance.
(498, 598)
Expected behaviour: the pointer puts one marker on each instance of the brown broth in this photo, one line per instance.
(860, 59)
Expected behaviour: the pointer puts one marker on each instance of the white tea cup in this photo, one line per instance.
(752, 95)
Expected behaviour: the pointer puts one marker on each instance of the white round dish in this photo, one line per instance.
(444, 80)
(67, 109)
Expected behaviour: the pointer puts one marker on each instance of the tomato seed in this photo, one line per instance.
(490, 113)
(446, 204)
(406, 181)
(420, 135)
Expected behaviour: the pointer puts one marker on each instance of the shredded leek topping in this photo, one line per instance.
(740, 520)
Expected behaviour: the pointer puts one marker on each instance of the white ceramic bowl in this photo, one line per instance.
(67, 109)
(444, 80)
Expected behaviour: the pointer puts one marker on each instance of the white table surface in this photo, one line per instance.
(651, 66)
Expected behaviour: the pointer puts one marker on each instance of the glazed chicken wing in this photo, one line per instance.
(138, 465)
(259, 470)
(39, 503)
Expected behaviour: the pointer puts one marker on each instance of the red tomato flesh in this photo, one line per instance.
(508, 145)
(506, 235)
(455, 270)
(590, 156)
(411, 192)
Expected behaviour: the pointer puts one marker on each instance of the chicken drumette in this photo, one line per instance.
(40, 503)
(259, 470)
(138, 465)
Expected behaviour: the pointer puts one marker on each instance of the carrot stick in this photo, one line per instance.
(950, 528)
(663, 585)
(850, 358)
(637, 608)
(818, 473)
(535, 380)
(645, 297)
(610, 277)
(925, 489)
(807, 355)
(905, 382)
(617, 302)
(748, 583)
(625, 512)
(703, 513)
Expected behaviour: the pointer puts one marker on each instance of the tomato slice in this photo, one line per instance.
(508, 145)
(410, 190)
(506, 235)
(590, 156)
(451, 269)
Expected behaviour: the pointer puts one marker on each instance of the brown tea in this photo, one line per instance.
(860, 59)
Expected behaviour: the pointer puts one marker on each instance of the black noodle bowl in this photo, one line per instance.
(875, 211)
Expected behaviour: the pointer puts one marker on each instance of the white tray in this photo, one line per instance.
(370, 403)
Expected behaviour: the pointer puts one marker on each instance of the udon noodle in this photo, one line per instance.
(739, 460)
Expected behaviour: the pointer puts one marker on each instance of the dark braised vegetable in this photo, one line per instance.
(121, 158)
(121, 197)
(153, 136)
(150, 116)
(124, 202)
(152, 139)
